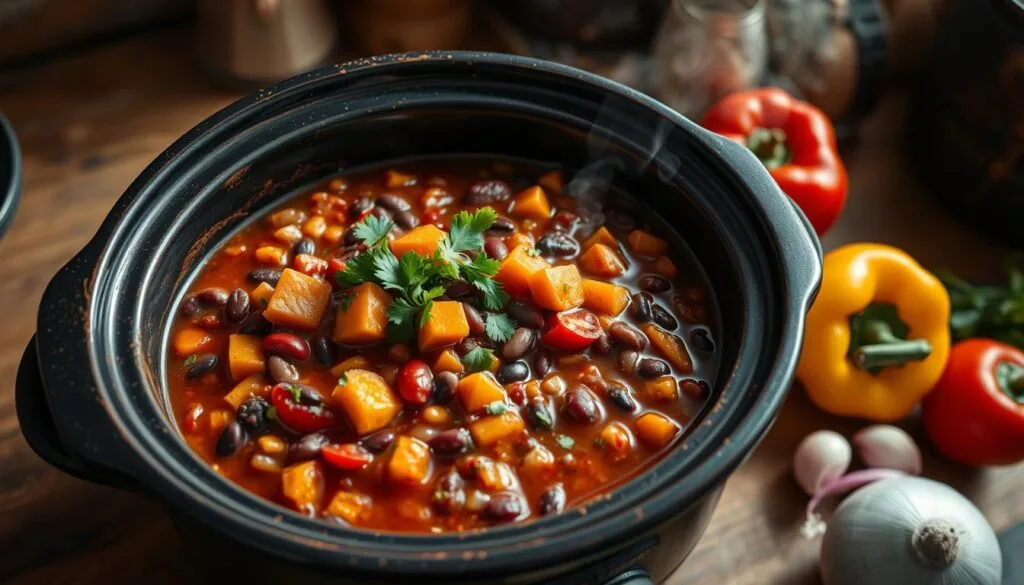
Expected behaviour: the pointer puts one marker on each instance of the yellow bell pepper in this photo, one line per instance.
(877, 336)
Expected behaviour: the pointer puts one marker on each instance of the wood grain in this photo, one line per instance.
(88, 125)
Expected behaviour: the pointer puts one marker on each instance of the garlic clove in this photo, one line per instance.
(821, 457)
(888, 447)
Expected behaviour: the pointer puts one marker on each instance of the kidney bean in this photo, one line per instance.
(603, 344)
(520, 342)
(552, 501)
(252, 414)
(495, 248)
(558, 244)
(627, 361)
(190, 306)
(232, 438)
(445, 384)
(203, 364)
(517, 392)
(304, 246)
(502, 226)
(664, 318)
(541, 363)
(526, 314)
(504, 507)
(237, 308)
(323, 350)
(475, 319)
(406, 220)
(696, 390)
(286, 344)
(581, 405)
(360, 206)
(308, 447)
(539, 414)
(415, 382)
(690, 311)
(214, 295)
(619, 396)
(458, 289)
(516, 371)
(487, 191)
(627, 336)
(256, 325)
(378, 442)
(654, 283)
(451, 442)
(449, 493)
(466, 345)
(210, 322)
(349, 239)
(640, 308)
(701, 339)
(267, 275)
(381, 213)
(393, 202)
(652, 368)
(281, 370)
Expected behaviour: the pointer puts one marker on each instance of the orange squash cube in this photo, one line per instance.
(517, 268)
(662, 389)
(602, 236)
(367, 400)
(665, 267)
(533, 203)
(656, 429)
(491, 429)
(261, 294)
(254, 385)
(299, 301)
(601, 260)
(604, 298)
(423, 240)
(646, 244)
(410, 461)
(191, 340)
(671, 346)
(552, 181)
(349, 506)
(478, 390)
(448, 361)
(558, 288)
(303, 485)
(245, 355)
(447, 325)
(365, 320)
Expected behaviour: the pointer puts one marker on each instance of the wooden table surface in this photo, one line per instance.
(89, 124)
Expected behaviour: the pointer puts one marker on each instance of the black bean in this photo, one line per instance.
(231, 439)
(445, 384)
(378, 442)
(323, 350)
(541, 363)
(603, 344)
(619, 396)
(621, 219)
(214, 295)
(640, 307)
(558, 244)
(652, 368)
(361, 206)
(495, 248)
(628, 337)
(581, 405)
(381, 213)
(256, 325)
(406, 220)
(475, 320)
(654, 283)
(466, 345)
(458, 289)
(701, 338)
(393, 202)
(252, 414)
(281, 370)
(552, 501)
(237, 308)
(451, 442)
(663, 318)
(308, 447)
(190, 306)
(539, 415)
(627, 361)
(504, 507)
(449, 493)
(520, 342)
(502, 226)
(516, 371)
(350, 238)
(203, 363)
(526, 314)
(267, 275)
(488, 191)
(304, 246)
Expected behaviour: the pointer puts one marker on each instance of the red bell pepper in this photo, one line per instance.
(348, 457)
(571, 330)
(301, 408)
(975, 414)
(794, 140)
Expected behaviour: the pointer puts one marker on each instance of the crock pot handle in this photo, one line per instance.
(632, 577)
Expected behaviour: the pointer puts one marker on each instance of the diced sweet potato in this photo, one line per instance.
(602, 236)
(422, 240)
(288, 216)
(299, 301)
(367, 400)
(539, 462)
(448, 361)
(254, 385)
(272, 255)
(670, 346)
(192, 340)
(557, 288)
(478, 390)
(665, 267)
(220, 418)
(656, 429)
(261, 294)
(552, 181)
(410, 461)
(532, 203)
(604, 298)
(395, 179)
(356, 362)
(245, 355)
(447, 325)
(519, 239)
(493, 476)
(601, 260)
(349, 506)
(491, 429)
(662, 389)
(616, 440)
(645, 244)
(517, 268)
(365, 320)
(303, 485)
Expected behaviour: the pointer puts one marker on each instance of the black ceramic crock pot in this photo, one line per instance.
(89, 390)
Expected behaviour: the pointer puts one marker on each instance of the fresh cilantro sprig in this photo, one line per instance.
(478, 359)
(373, 230)
(499, 327)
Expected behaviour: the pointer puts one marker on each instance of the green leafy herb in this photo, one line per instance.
(599, 443)
(542, 419)
(478, 359)
(343, 380)
(500, 327)
(496, 408)
(191, 359)
(565, 441)
(346, 300)
(373, 230)
(295, 391)
(467, 232)
(987, 311)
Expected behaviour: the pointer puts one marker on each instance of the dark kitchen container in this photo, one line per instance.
(592, 24)
(89, 391)
(10, 174)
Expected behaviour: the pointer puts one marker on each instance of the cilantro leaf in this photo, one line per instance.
(495, 296)
(343, 380)
(478, 359)
(499, 327)
(373, 230)
(428, 297)
(496, 408)
(191, 359)
(388, 272)
(481, 267)
(361, 268)
(402, 311)
(467, 230)
(565, 441)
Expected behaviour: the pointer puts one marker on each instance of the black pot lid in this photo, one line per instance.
(10, 174)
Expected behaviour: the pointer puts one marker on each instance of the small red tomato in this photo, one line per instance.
(334, 266)
(301, 408)
(415, 382)
(193, 417)
(287, 345)
(309, 264)
(571, 330)
(349, 456)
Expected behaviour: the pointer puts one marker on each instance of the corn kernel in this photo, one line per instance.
(272, 444)
(289, 234)
(435, 415)
(265, 463)
(220, 419)
(287, 217)
(533, 389)
(315, 226)
(332, 235)
(553, 384)
(272, 255)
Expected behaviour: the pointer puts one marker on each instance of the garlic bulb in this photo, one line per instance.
(909, 531)
(821, 457)
(888, 447)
